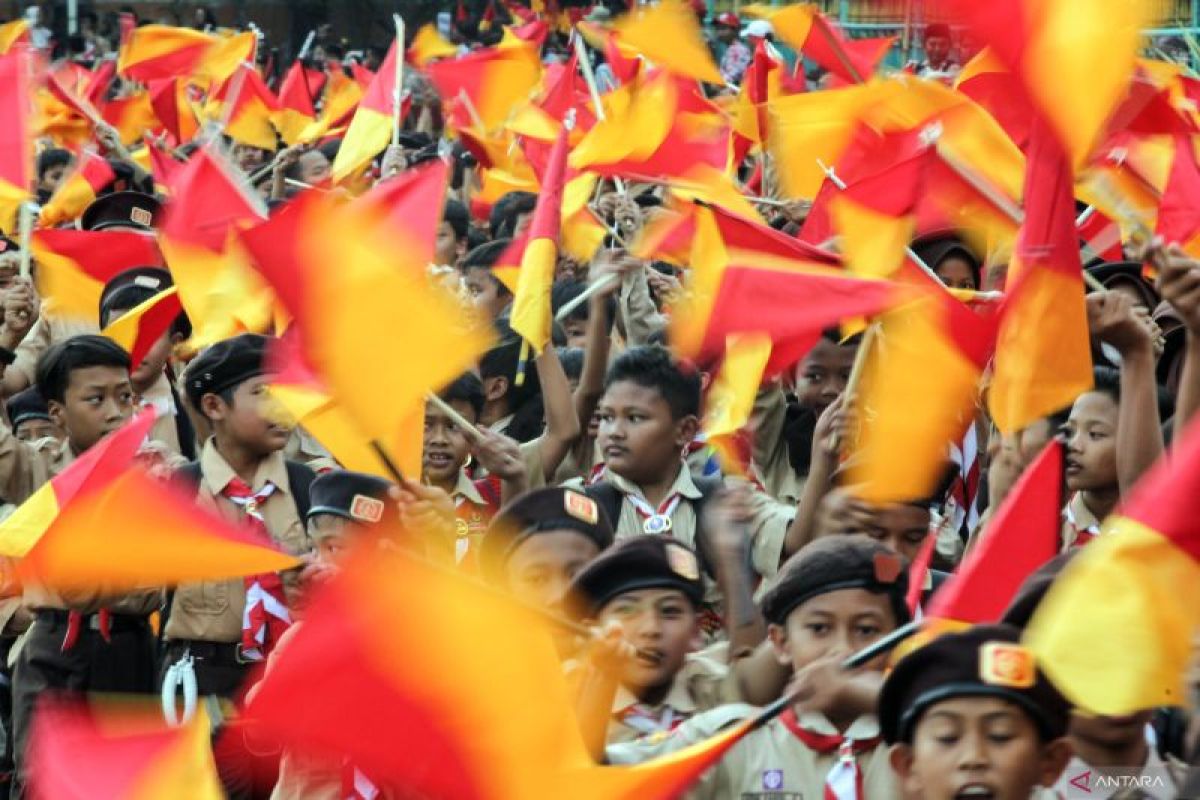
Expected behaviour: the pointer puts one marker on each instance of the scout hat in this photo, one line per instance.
(833, 563)
(642, 562)
(226, 364)
(983, 661)
(355, 496)
(133, 287)
(26, 405)
(1113, 273)
(541, 511)
(122, 210)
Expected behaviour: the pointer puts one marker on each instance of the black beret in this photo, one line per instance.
(1110, 273)
(132, 287)
(641, 562)
(540, 511)
(354, 496)
(26, 405)
(224, 365)
(983, 661)
(833, 563)
(122, 210)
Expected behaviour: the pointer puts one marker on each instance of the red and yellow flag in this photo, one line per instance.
(531, 301)
(429, 45)
(77, 191)
(16, 137)
(140, 327)
(493, 82)
(669, 36)
(371, 129)
(1179, 211)
(12, 33)
(1043, 356)
(297, 95)
(73, 266)
(247, 106)
(805, 28)
(1115, 632)
(410, 206)
(157, 52)
(169, 99)
(730, 399)
(124, 752)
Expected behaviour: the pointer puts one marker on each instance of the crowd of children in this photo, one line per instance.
(579, 480)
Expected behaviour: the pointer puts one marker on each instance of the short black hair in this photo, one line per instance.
(485, 257)
(466, 388)
(503, 220)
(651, 366)
(52, 157)
(524, 401)
(564, 291)
(1107, 381)
(455, 215)
(571, 359)
(55, 366)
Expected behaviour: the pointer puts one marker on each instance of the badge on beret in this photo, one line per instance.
(460, 528)
(141, 216)
(147, 282)
(683, 562)
(1006, 664)
(366, 509)
(581, 507)
(887, 567)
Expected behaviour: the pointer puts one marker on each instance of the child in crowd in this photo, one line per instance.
(488, 295)
(29, 416)
(971, 715)
(451, 242)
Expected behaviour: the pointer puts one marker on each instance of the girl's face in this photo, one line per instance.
(956, 273)
(1091, 437)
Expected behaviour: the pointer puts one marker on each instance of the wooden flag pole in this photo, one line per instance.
(455, 417)
(584, 296)
(398, 89)
(25, 217)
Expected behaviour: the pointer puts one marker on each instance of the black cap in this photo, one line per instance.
(642, 562)
(833, 563)
(132, 287)
(983, 661)
(26, 405)
(549, 509)
(1110, 273)
(122, 210)
(355, 496)
(226, 364)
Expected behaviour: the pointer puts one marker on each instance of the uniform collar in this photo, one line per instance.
(865, 727)
(501, 425)
(684, 485)
(677, 699)
(218, 474)
(465, 487)
(1081, 515)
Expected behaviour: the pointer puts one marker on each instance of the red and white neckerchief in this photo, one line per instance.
(655, 520)
(266, 615)
(356, 785)
(844, 780)
(1082, 535)
(598, 473)
(75, 625)
(646, 721)
(965, 488)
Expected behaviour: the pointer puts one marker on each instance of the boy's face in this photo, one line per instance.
(446, 446)
(98, 400)
(576, 331)
(333, 536)
(487, 295)
(956, 273)
(901, 527)
(661, 623)
(540, 569)
(838, 623)
(247, 421)
(52, 177)
(247, 157)
(1091, 433)
(33, 429)
(446, 247)
(314, 167)
(638, 436)
(984, 747)
(823, 374)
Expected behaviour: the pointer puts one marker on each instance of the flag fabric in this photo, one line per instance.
(11, 33)
(985, 80)
(141, 326)
(803, 27)
(668, 36)
(1022, 535)
(1055, 51)
(730, 400)
(81, 751)
(371, 129)
(493, 82)
(132, 115)
(919, 391)
(1179, 211)
(226, 55)
(77, 190)
(452, 686)
(410, 204)
(247, 107)
(297, 95)
(93, 470)
(1043, 356)
(158, 52)
(427, 45)
(531, 315)
(169, 99)
(16, 137)
(341, 317)
(73, 266)
(1115, 631)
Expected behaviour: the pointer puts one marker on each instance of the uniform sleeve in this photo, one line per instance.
(768, 530)
(711, 683)
(531, 457)
(36, 342)
(642, 318)
(766, 420)
(23, 466)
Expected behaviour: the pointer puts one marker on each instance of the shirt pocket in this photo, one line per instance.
(210, 598)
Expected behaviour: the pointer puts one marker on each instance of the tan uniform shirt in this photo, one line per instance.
(642, 318)
(307, 450)
(771, 763)
(772, 464)
(211, 611)
(165, 429)
(1079, 524)
(702, 684)
(49, 329)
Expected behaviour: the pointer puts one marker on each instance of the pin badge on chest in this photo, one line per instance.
(658, 523)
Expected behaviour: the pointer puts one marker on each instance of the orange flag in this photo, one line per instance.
(247, 107)
(730, 399)
(494, 81)
(1116, 629)
(16, 137)
(1022, 536)
(11, 33)
(1043, 357)
(410, 204)
(77, 191)
(297, 94)
(466, 684)
(531, 302)
(73, 266)
(669, 36)
(169, 99)
(805, 28)
(429, 45)
(156, 52)
(132, 115)
(371, 129)
(122, 752)
(141, 326)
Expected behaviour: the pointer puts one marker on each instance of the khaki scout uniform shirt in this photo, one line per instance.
(307, 450)
(771, 763)
(1078, 519)
(771, 463)
(702, 684)
(49, 329)
(211, 611)
(24, 468)
(165, 429)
